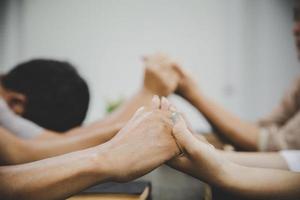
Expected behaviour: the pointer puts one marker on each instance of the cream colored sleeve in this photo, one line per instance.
(274, 138)
(17, 125)
(285, 109)
(280, 127)
(292, 158)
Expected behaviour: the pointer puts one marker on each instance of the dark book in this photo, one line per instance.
(140, 190)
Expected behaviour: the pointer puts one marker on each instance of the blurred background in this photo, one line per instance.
(241, 52)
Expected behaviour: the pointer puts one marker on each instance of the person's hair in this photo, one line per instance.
(57, 97)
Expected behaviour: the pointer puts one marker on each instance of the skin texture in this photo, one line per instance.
(50, 143)
(156, 126)
(142, 145)
(271, 160)
(14, 150)
(202, 161)
(159, 74)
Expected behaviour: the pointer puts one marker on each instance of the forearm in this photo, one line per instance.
(16, 151)
(124, 113)
(44, 149)
(239, 132)
(246, 182)
(262, 160)
(258, 183)
(202, 161)
(54, 178)
(13, 150)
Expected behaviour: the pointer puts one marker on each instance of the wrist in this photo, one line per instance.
(212, 167)
(146, 91)
(100, 162)
(190, 91)
(197, 98)
(227, 175)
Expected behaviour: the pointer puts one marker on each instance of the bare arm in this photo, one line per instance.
(142, 145)
(241, 133)
(202, 161)
(47, 179)
(14, 150)
(126, 110)
(259, 183)
(256, 159)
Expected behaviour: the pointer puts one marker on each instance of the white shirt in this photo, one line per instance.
(292, 158)
(17, 125)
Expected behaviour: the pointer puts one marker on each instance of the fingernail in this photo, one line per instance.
(165, 101)
(155, 97)
(140, 109)
(174, 117)
(172, 108)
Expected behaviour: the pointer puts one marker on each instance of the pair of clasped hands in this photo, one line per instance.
(152, 137)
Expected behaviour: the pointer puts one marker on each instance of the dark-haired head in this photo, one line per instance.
(48, 92)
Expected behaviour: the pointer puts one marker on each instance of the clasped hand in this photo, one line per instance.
(146, 142)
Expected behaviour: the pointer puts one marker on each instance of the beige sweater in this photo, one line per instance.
(281, 129)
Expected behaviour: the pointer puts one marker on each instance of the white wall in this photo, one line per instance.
(241, 52)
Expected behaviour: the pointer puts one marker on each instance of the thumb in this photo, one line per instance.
(180, 71)
(138, 113)
(182, 135)
(181, 163)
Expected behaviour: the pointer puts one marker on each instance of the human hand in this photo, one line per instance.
(200, 159)
(160, 78)
(143, 144)
(187, 85)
